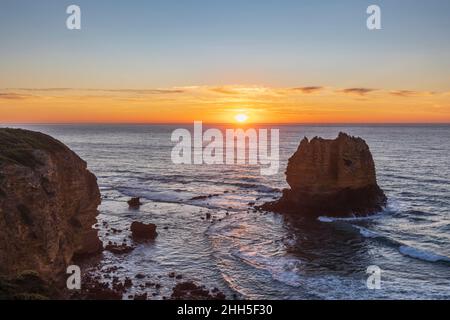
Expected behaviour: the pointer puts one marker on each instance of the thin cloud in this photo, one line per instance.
(357, 91)
(41, 89)
(411, 93)
(224, 90)
(242, 90)
(135, 91)
(144, 91)
(308, 90)
(13, 96)
(402, 93)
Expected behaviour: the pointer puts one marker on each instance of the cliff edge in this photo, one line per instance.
(48, 204)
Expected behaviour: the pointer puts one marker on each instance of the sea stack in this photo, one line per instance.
(48, 204)
(331, 177)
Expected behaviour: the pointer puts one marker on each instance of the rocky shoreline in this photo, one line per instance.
(48, 221)
(48, 216)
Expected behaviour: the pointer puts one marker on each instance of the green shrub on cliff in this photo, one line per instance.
(17, 146)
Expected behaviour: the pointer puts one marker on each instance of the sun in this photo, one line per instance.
(241, 117)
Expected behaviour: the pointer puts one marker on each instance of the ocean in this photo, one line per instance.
(257, 255)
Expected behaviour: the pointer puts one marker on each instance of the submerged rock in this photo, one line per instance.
(331, 177)
(119, 248)
(190, 291)
(141, 231)
(48, 204)
(134, 203)
(93, 289)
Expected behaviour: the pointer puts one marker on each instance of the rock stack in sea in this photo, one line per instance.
(331, 177)
(48, 205)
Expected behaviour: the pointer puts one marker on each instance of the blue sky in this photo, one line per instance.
(142, 44)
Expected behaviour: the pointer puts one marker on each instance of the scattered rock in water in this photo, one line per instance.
(93, 289)
(128, 283)
(119, 249)
(134, 203)
(174, 275)
(142, 232)
(118, 286)
(142, 296)
(205, 197)
(331, 177)
(190, 291)
(140, 276)
(111, 269)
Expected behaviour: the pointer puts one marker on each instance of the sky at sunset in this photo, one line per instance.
(179, 61)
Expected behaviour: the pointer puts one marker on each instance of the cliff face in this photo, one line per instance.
(331, 177)
(48, 204)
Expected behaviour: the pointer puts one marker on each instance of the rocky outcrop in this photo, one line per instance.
(134, 203)
(48, 204)
(142, 232)
(331, 177)
(119, 248)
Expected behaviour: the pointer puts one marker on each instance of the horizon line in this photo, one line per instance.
(234, 124)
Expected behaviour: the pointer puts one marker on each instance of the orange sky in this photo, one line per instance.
(221, 104)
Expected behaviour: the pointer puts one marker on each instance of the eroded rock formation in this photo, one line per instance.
(331, 177)
(134, 203)
(48, 204)
(142, 232)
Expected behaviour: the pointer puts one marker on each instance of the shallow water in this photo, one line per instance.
(264, 255)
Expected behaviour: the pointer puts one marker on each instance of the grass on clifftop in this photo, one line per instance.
(26, 286)
(17, 146)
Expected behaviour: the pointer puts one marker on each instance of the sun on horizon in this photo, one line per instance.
(241, 118)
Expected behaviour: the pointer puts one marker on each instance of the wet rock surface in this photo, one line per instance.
(331, 177)
(143, 232)
(134, 203)
(190, 291)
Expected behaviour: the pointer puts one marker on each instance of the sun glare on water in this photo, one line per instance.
(241, 118)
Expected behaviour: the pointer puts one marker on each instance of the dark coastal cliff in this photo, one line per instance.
(48, 204)
(331, 177)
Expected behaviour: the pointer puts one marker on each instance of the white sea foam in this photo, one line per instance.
(160, 196)
(282, 269)
(392, 206)
(366, 233)
(422, 254)
(325, 219)
(354, 218)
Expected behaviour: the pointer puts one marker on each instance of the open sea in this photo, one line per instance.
(256, 255)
